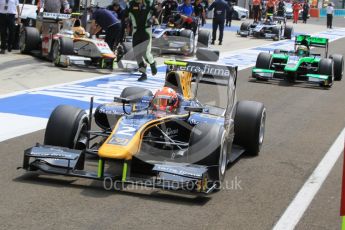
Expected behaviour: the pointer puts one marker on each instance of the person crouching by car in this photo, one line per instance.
(103, 19)
(8, 10)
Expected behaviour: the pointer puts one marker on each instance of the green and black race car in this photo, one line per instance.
(300, 64)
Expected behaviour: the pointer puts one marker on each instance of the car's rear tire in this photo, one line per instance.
(276, 31)
(326, 68)
(188, 36)
(29, 40)
(204, 38)
(288, 32)
(207, 54)
(135, 92)
(250, 119)
(338, 65)
(66, 127)
(62, 46)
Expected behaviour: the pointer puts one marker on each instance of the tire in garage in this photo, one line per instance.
(135, 92)
(66, 126)
(249, 127)
(62, 46)
(29, 40)
(207, 54)
(338, 62)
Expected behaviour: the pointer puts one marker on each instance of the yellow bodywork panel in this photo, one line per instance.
(126, 148)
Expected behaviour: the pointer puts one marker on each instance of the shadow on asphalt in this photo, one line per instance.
(96, 189)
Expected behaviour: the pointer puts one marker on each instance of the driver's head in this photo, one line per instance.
(302, 50)
(165, 99)
(187, 2)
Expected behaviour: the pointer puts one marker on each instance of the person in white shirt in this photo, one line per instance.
(330, 12)
(8, 11)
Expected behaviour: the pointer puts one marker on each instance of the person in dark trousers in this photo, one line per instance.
(199, 11)
(330, 12)
(8, 10)
(305, 11)
(168, 7)
(256, 10)
(115, 7)
(142, 14)
(229, 14)
(281, 9)
(108, 21)
(220, 9)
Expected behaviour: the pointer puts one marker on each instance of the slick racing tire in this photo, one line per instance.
(245, 26)
(207, 54)
(264, 61)
(276, 51)
(326, 68)
(29, 40)
(276, 31)
(250, 119)
(62, 46)
(188, 37)
(67, 127)
(338, 65)
(135, 92)
(288, 32)
(211, 142)
(204, 38)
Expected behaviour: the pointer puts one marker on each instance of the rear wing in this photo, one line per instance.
(207, 72)
(310, 41)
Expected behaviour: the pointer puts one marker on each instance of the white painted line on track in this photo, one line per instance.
(306, 194)
(17, 125)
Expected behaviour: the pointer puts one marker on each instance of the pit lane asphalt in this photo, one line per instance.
(302, 123)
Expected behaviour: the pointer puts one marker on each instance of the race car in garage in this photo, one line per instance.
(177, 138)
(274, 27)
(61, 39)
(301, 64)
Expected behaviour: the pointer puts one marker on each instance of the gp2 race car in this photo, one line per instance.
(180, 35)
(63, 40)
(170, 141)
(275, 28)
(300, 64)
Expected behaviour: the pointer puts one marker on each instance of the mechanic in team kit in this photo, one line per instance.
(108, 21)
(256, 10)
(281, 8)
(8, 10)
(142, 14)
(221, 8)
(168, 7)
(270, 7)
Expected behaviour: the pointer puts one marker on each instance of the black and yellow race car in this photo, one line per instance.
(169, 140)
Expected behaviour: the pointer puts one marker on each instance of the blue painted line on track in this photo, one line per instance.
(40, 103)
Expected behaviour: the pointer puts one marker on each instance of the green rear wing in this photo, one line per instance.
(311, 41)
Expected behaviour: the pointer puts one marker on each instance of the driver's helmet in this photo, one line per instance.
(302, 50)
(165, 99)
(78, 32)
